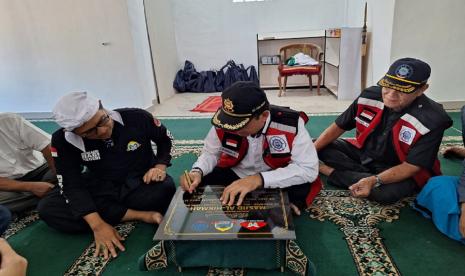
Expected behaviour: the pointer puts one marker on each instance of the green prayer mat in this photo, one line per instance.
(340, 235)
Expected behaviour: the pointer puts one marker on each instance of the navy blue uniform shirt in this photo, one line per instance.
(116, 165)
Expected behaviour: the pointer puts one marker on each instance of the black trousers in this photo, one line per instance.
(345, 159)
(223, 177)
(155, 196)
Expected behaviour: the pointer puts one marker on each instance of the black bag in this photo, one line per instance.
(209, 81)
(229, 76)
(179, 84)
(186, 78)
(195, 83)
(220, 77)
(243, 71)
(234, 73)
(253, 76)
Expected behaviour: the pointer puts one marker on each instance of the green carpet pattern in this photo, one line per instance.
(358, 219)
(20, 223)
(164, 254)
(156, 258)
(296, 259)
(339, 234)
(87, 264)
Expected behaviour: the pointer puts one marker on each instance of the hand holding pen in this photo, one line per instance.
(190, 180)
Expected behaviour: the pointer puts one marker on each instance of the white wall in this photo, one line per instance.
(433, 31)
(162, 36)
(426, 29)
(209, 32)
(51, 47)
(141, 51)
(354, 11)
(380, 16)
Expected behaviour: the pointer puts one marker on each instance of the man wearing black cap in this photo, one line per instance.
(253, 145)
(398, 133)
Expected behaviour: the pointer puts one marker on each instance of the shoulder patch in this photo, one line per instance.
(54, 152)
(278, 144)
(406, 135)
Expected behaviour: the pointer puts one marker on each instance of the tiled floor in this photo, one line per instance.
(298, 99)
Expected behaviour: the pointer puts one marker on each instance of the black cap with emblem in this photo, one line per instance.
(406, 75)
(239, 103)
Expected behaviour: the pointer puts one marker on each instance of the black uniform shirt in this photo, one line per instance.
(121, 161)
(379, 146)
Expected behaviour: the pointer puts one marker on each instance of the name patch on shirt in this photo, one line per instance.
(362, 122)
(278, 144)
(91, 155)
(406, 135)
(229, 152)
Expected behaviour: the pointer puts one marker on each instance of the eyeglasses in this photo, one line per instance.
(93, 131)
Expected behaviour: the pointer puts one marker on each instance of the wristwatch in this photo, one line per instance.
(378, 181)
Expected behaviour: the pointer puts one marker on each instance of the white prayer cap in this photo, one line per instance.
(74, 109)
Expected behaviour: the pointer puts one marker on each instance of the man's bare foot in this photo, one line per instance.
(157, 217)
(295, 209)
(152, 218)
(325, 169)
(454, 152)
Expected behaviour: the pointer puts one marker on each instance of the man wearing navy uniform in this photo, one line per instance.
(253, 145)
(398, 133)
(124, 179)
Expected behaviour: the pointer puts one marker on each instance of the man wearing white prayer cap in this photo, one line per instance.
(124, 179)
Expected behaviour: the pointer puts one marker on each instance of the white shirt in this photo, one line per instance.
(302, 168)
(20, 146)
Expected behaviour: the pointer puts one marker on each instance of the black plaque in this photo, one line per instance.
(264, 214)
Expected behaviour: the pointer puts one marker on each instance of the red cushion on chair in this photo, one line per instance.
(299, 70)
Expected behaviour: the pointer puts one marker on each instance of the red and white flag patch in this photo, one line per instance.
(367, 114)
(54, 152)
(231, 143)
